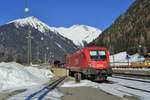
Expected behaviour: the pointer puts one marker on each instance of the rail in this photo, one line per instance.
(45, 90)
(133, 79)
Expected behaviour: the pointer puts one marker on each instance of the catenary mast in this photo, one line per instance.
(29, 37)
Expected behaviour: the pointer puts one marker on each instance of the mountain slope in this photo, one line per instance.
(45, 43)
(78, 33)
(130, 32)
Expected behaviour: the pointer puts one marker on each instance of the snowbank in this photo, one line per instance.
(14, 75)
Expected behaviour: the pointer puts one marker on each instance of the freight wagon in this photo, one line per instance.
(89, 62)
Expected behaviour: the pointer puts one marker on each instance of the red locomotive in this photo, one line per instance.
(89, 62)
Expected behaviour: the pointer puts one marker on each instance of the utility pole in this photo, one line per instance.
(37, 54)
(111, 51)
(26, 10)
(113, 57)
(46, 55)
(43, 55)
(45, 58)
(29, 47)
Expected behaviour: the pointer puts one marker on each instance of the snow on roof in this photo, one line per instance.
(122, 57)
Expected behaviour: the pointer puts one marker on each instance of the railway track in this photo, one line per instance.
(133, 75)
(39, 95)
(133, 79)
(136, 88)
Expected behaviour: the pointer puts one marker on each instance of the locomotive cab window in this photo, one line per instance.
(97, 55)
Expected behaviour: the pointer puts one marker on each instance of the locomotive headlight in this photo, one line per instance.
(100, 65)
(89, 65)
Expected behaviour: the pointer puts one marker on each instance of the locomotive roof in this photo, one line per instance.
(89, 48)
(95, 47)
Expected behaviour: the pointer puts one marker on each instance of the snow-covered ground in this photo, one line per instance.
(117, 87)
(121, 58)
(14, 75)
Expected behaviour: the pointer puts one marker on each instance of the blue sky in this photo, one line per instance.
(96, 13)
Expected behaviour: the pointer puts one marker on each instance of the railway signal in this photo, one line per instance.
(128, 58)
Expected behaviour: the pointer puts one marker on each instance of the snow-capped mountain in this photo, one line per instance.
(32, 21)
(78, 33)
(13, 41)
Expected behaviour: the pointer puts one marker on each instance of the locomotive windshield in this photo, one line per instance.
(97, 55)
